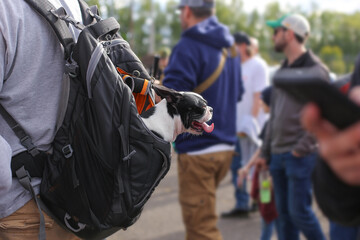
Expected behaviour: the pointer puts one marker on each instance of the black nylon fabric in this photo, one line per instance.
(116, 162)
(337, 200)
(123, 57)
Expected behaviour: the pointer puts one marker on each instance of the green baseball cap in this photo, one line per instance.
(276, 23)
(295, 22)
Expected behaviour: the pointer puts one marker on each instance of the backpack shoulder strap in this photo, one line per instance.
(61, 29)
(44, 8)
(215, 75)
(25, 140)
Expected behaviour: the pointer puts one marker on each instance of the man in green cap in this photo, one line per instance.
(288, 149)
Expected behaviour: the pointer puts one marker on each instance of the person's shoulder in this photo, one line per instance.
(316, 60)
(183, 49)
(257, 63)
(11, 7)
(322, 66)
(258, 60)
(186, 44)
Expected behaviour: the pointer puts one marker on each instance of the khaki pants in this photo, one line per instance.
(24, 225)
(199, 177)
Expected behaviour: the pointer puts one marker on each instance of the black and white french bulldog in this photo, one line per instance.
(178, 112)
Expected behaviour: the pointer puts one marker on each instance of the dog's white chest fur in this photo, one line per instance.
(163, 124)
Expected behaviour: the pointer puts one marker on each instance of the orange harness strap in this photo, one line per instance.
(143, 101)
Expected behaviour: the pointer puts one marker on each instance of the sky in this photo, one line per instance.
(347, 6)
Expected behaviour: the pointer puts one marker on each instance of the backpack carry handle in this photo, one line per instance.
(90, 14)
(105, 27)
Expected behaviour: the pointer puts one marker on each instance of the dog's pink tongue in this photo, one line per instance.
(207, 128)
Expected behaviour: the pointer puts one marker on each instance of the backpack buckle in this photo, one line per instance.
(22, 173)
(71, 69)
(26, 142)
(67, 151)
(92, 12)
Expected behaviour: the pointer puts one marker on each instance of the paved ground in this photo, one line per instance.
(161, 218)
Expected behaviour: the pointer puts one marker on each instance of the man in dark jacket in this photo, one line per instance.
(288, 148)
(204, 161)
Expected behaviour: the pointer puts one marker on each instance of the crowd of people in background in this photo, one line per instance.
(259, 129)
(275, 139)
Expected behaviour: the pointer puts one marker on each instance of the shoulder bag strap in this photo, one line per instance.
(215, 75)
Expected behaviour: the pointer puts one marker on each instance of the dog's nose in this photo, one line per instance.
(210, 110)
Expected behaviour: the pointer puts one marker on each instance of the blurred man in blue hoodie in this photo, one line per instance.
(205, 61)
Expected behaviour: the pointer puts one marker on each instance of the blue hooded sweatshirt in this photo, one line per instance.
(193, 60)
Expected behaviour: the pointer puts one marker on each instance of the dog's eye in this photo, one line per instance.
(199, 110)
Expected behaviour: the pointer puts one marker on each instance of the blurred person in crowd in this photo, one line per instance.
(288, 149)
(164, 55)
(268, 211)
(336, 177)
(255, 79)
(254, 42)
(204, 51)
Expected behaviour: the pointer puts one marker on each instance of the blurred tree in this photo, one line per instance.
(332, 56)
(92, 2)
(337, 29)
(328, 28)
(173, 20)
(232, 14)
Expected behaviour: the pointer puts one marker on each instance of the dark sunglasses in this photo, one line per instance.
(276, 30)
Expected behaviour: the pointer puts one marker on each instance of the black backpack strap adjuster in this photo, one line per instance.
(67, 151)
(24, 177)
(28, 144)
(24, 138)
(60, 13)
(72, 69)
(92, 11)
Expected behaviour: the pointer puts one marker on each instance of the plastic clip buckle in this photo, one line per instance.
(71, 69)
(67, 151)
(27, 143)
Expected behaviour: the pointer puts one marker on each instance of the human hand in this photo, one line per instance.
(242, 175)
(295, 154)
(261, 163)
(340, 149)
(241, 134)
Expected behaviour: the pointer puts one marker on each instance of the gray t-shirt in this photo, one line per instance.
(5, 171)
(31, 69)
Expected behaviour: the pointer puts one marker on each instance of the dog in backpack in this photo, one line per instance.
(178, 112)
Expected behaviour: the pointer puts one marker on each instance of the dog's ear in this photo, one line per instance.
(170, 95)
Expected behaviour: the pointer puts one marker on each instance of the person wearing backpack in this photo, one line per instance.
(205, 61)
(31, 70)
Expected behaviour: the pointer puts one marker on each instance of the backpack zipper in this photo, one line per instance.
(114, 42)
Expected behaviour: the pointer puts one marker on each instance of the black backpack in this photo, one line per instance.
(105, 162)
